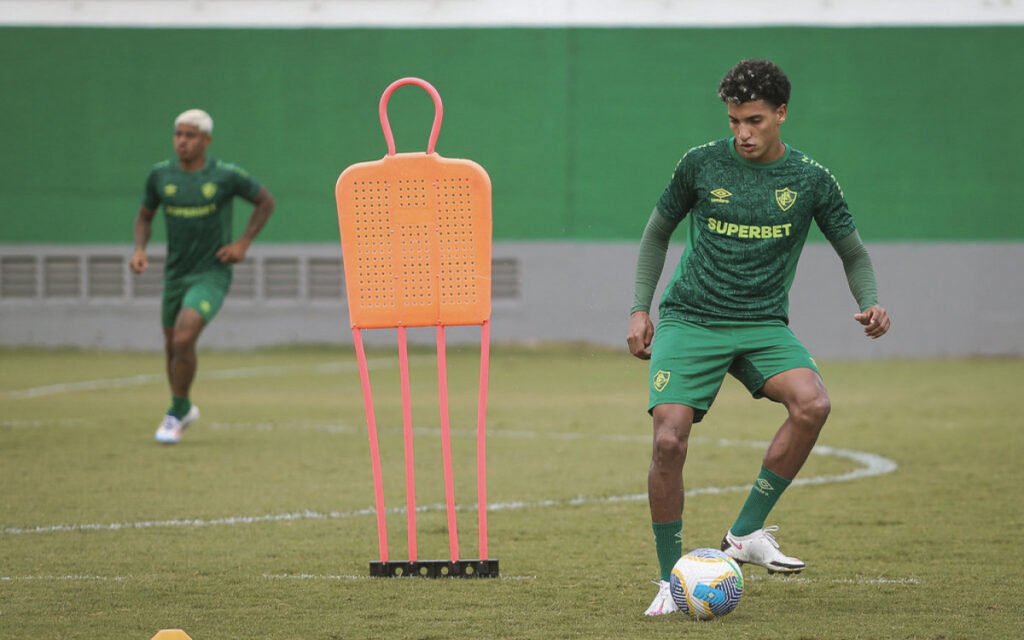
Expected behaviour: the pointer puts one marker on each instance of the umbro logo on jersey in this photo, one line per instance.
(720, 196)
(170, 189)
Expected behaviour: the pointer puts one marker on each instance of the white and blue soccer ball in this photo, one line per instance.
(706, 584)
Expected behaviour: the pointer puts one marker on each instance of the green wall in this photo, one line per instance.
(579, 128)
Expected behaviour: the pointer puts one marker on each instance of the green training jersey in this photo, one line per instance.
(747, 225)
(197, 209)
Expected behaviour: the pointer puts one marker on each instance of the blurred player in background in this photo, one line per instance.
(197, 193)
(751, 200)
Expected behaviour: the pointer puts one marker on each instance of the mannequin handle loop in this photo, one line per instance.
(435, 130)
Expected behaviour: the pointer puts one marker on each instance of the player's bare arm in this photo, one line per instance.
(876, 321)
(641, 333)
(235, 252)
(143, 229)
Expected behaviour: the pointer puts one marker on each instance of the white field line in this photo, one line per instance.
(859, 581)
(63, 578)
(35, 424)
(314, 576)
(217, 374)
(871, 465)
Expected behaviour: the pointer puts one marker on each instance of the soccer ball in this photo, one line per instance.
(706, 584)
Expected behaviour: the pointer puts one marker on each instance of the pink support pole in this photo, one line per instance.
(410, 466)
(446, 444)
(481, 438)
(371, 430)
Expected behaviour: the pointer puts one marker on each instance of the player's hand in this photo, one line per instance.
(641, 333)
(875, 320)
(233, 253)
(138, 262)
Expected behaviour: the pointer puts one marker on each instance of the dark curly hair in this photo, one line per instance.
(753, 80)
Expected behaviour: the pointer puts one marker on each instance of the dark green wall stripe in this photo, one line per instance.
(579, 128)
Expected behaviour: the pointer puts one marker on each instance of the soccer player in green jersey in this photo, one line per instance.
(197, 193)
(749, 201)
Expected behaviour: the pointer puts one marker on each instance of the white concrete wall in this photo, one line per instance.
(955, 299)
(438, 13)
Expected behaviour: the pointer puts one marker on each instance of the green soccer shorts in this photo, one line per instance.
(689, 361)
(204, 292)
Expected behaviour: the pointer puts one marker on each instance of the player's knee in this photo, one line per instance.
(812, 411)
(182, 342)
(671, 438)
(669, 449)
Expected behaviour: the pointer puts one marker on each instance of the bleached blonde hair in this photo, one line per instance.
(197, 118)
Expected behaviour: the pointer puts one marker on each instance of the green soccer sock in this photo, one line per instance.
(668, 542)
(764, 494)
(179, 407)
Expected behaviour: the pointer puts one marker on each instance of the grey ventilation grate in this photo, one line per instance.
(281, 278)
(272, 277)
(505, 280)
(325, 279)
(105, 276)
(18, 276)
(62, 277)
(243, 281)
(150, 283)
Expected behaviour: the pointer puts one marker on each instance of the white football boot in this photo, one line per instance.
(169, 431)
(760, 548)
(663, 602)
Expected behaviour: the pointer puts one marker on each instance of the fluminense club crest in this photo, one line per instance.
(209, 189)
(661, 379)
(785, 198)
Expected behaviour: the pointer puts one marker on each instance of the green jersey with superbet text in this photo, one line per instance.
(747, 225)
(197, 209)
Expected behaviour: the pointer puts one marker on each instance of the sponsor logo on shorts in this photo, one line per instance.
(661, 380)
(205, 306)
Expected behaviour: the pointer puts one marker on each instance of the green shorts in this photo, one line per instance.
(689, 360)
(204, 292)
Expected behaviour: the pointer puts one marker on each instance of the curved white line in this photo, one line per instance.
(872, 465)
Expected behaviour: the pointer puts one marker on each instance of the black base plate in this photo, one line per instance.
(435, 569)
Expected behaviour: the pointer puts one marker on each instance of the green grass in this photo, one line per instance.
(929, 551)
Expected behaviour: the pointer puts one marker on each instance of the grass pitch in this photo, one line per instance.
(256, 526)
